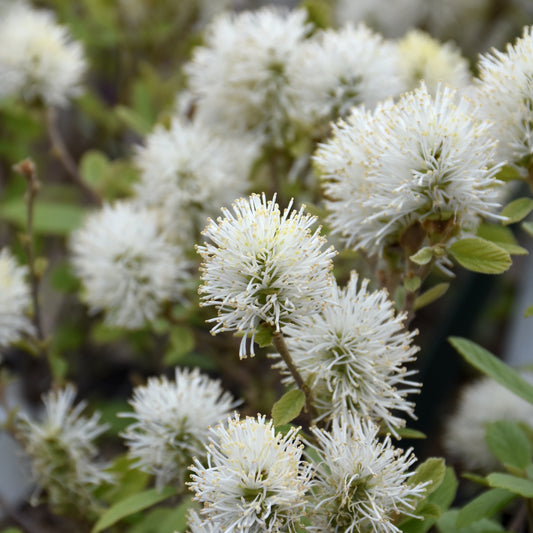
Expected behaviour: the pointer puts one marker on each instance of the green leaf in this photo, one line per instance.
(319, 12)
(94, 166)
(263, 336)
(484, 506)
(288, 407)
(407, 433)
(508, 442)
(490, 365)
(528, 227)
(423, 256)
(517, 210)
(130, 481)
(50, 218)
(131, 505)
(181, 343)
(444, 495)
(164, 519)
(518, 485)
(428, 514)
(509, 173)
(412, 284)
(431, 295)
(133, 120)
(432, 470)
(529, 312)
(475, 478)
(479, 255)
(447, 524)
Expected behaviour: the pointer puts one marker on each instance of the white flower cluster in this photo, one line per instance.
(128, 268)
(480, 403)
(505, 96)
(187, 173)
(362, 483)
(62, 451)
(38, 59)
(352, 354)
(15, 300)
(172, 421)
(419, 160)
(255, 481)
(263, 266)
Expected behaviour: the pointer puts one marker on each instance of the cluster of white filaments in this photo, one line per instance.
(353, 355)
(422, 158)
(62, 451)
(240, 74)
(172, 421)
(255, 481)
(362, 483)
(187, 173)
(263, 266)
(505, 96)
(38, 59)
(336, 70)
(15, 300)
(128, 267)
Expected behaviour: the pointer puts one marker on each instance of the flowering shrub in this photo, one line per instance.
(221, 232)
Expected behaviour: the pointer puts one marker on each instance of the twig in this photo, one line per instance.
(281, 346)
(59, 149)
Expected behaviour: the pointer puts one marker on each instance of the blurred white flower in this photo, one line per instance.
(392, 18)
(353, 353)
(255, 480)
(198, 525)
(240, 74)
(423, 58)
(15, 300)
(362, 483)
(62, 451)
(172, 421)
(263, 266)
(336, 70)
(127, 267)
(480, 403)
(505, 96)
(38, 58)
(421, 160)
(189, 173)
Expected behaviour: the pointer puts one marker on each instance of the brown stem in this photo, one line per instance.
(59, 149)
(283, 350)
(27, 169)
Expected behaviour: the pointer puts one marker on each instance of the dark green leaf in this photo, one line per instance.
(484, 506)
(484, 361)
(444, 495)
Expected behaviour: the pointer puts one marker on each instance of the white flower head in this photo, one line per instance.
(188, 173)
(421, 159)
(62, 452)
(240, 74)
(15, 300)
(480, 403)
(392, 18)
(172, 421)
(505, 95)
(255, 480)
(425, 58)
(362, 482)
(353, 355)
(38, 59)
(128, 268)
(263, 266)
(337, 70)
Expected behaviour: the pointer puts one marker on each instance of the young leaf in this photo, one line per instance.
(518, 485)
(529, 311)
(432, 470)
(288, 407)
(479, 255)
(490, 365)
(508, 442)
(528, 227)
(423, 256)
(132, 504)
(263, 336)
(431, 295)
(484, 506)
(444, 495)
(509, 173)
(517, 210)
